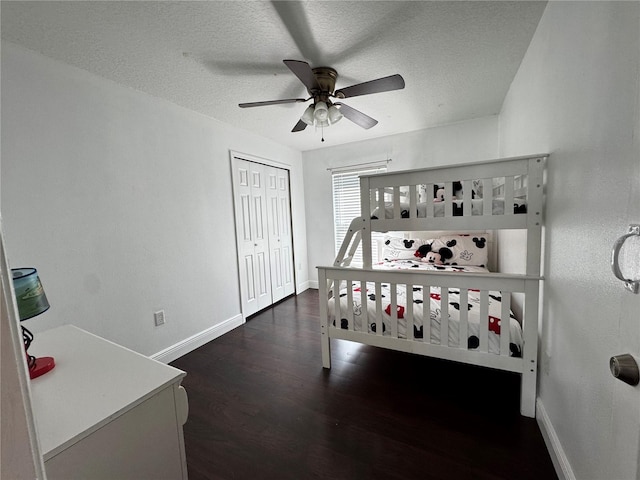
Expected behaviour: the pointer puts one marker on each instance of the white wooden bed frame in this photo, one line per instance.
(514, 177)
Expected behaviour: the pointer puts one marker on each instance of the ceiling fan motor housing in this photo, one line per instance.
(326, 80)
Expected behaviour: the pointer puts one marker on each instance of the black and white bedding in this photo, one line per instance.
(477, 206)
(431, 308)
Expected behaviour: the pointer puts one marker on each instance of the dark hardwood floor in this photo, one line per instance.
(262, 407)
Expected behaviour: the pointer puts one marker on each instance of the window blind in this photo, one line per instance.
(346, 207)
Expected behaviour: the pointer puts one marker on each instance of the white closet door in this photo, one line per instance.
(263, 232)
(286, 243)
(280, 244)
(252, 235)
(275, 247)
(261, 235)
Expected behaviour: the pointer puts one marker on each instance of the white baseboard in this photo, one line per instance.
(313, 284)
(189, 344)
(558, 457)
(303, 287)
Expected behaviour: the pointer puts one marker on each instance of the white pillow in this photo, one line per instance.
(471, 249)
(396, 248)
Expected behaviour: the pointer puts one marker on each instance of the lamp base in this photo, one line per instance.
(42, 366)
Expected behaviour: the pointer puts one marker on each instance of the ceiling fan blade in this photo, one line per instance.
(295, 18)
(357, 116)
(299, 126)
(272, 102)
(303, 71)
(385, 84)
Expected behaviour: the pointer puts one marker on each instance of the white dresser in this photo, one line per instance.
(106, 412)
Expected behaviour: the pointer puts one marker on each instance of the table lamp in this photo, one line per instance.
(31, 301)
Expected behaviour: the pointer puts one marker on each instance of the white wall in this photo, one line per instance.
(469, 141)
(576, 96)
(123, 202)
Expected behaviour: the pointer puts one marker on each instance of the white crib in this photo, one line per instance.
(404, 202)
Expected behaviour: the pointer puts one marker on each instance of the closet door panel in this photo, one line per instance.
(262, 278)
(284, 227)
(245, 219)
(260, 235)
(248, 278)
(275, 253)
(245, 213)
(287, 271)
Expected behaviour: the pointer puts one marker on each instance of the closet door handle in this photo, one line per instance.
(631, 285)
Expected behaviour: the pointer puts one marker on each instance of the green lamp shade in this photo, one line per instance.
(29, 293)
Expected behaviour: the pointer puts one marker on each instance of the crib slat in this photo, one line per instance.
(487, 196)
(396, 202)
(467, 189)
(448, 200)
(393, 288)
(444, 316)
(429, 212)
(463, 333)
(336, 302)
(349, 304)
(379, 323)
(373, 201)
(364, 314)
(408, 312)
(505, 324)
(413, 204)
(381, 206)
(484, 321)
(426, 313)
(508, 195)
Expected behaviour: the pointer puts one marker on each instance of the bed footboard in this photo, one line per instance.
(464, 317)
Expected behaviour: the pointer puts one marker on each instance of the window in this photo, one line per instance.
(346, 207)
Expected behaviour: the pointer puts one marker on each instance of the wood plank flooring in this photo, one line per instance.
(262, 407)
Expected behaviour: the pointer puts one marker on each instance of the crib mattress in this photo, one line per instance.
(477, 207)
(367, 313)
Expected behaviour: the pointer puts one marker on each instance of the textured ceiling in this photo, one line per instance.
(457, 58)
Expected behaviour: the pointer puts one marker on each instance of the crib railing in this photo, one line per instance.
(392, 201)
(335, 277)
(398, 194)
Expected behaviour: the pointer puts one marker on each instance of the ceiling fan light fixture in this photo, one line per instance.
(321, 112)
(322, 123)
(334, 114)
(307, 116)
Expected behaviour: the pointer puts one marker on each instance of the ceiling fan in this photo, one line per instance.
(320, 83)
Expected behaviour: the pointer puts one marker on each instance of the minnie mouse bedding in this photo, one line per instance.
(367, 312)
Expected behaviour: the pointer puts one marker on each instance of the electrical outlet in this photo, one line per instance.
(158, 317)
